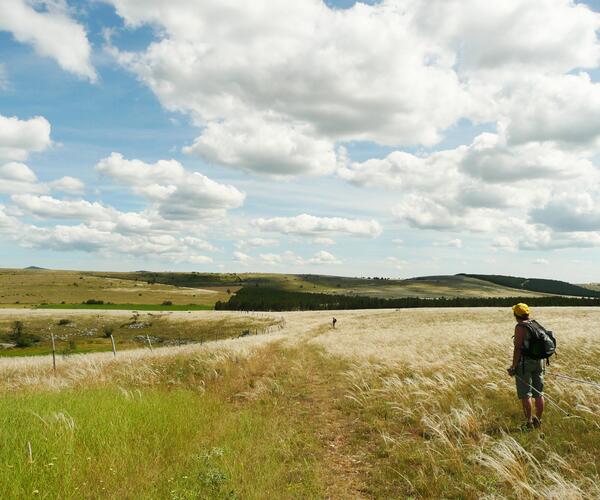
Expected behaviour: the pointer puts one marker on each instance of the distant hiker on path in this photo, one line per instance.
(532, 344)
(334, 322)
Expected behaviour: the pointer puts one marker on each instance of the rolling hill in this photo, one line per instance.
(28, 287)
(538, 285)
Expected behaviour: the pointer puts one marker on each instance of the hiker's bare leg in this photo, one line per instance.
(539, 407)
(527, 408)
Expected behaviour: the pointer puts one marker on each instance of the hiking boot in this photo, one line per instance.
(527, 426)
(537, 422)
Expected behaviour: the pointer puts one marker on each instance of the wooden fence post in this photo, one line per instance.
(114, 347)
(53, 353)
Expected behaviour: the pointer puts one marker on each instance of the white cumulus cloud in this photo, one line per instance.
(257, 243)
(266, 146)
(310, 225)
(177, 193)
(52, 33)
(18, 137)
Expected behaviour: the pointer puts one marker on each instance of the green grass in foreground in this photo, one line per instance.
(82, 333)
(211, 435)
(129, 307)
(292, 423)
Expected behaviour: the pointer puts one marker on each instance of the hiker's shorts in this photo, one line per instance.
(530, 373)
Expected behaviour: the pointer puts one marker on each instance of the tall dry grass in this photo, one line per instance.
(424, 407)
(433, 386)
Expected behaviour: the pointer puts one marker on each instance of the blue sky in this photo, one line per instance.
(383, 138)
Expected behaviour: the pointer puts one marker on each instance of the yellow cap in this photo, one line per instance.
(521, 309)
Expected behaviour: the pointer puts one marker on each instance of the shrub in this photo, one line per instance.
(167, 303)
(70, 349)
(63, 322)
(20, 337)
(94, 302)
(108, 331)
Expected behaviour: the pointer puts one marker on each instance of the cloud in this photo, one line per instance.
(242, 258)
(257, 243)
(17, 172)
(570, 212)
(541, 262)
(48, 207)
(265, 145)
(18, 178)
(198, 244)
(289, 258)
(9, 225)
(68, 185)
(324, 241)
(52, 32)
(86, 237)
(302, 62)
(502, 39)
(92, 226)
(177, 193)
(18, 137)
(309, 225)
(560, 108)
(323, 258)
(489, 158)
(476, 188)
(394, 72)
(454, 243)
(424, 212)
(397, 263)
(197, 259)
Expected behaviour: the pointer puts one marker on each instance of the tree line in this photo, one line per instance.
(271, 299)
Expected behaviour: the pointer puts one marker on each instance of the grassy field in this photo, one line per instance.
(76, 332)
(33, 287)
(427, 286)
(390, 404)
(189, 291)
(128, 307)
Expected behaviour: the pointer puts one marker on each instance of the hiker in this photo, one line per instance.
(334, 322)
(528, 370)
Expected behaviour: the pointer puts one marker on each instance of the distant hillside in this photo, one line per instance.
(555, 287)
(270, 299)
(423, 286)
(591, 286)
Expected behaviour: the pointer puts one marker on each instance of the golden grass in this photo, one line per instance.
(24, 286)
(403, 404)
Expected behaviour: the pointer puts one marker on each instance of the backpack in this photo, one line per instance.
(539, 343)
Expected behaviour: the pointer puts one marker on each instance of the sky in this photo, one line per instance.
(392, 138)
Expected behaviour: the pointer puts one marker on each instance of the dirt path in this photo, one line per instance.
(323, 387)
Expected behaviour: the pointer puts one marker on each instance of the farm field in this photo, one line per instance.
(26, 287)
(426, 286)
(173, 291)
(82, 331)
(391, 404)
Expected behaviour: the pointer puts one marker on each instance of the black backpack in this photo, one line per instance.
(542, 343)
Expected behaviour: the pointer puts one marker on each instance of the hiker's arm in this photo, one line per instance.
(520, 333)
